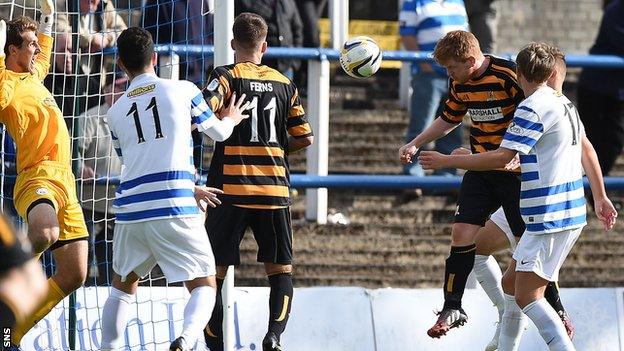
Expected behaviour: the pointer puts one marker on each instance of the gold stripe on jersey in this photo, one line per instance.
(504, 69)
(294, 98)
(256, 190)
(254, 170)
(296, 111)
(248, 70)
(254, 151)
(224, 88)
(302, 130)
(215, 103)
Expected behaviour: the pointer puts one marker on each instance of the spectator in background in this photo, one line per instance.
(601, 90)
(309, 11)
(285, 28)
(100, 25)
(422, 24)
(483, 21)
(182, 22)
(99, 160)
(61, 81)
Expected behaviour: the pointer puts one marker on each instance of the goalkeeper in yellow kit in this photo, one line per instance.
(45, 191)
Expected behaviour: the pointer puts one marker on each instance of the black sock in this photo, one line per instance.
(552, 296)
(280, 301)
(459, 264)
(215, 325)
(7, 316)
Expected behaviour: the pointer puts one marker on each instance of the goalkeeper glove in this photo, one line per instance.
(47, 17)
(2, 37)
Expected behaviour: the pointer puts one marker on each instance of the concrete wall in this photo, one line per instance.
(569, 24)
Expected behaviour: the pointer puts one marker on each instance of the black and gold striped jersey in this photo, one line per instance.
(489, 99)
(251, 166)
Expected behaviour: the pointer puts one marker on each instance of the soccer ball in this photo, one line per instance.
(360, 57)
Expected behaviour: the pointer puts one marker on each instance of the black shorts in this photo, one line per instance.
(482, 193)
(226, 225)
(13, 251)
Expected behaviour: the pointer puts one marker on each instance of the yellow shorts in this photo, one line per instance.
(56, 183)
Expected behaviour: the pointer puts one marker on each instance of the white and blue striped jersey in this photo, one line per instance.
(547, 133)
(151, 130)
(430, 20)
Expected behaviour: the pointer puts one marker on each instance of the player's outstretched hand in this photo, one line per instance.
(432, 160)
(2, 37)
(461, 151)
(204, 194)
(235, 109)
(606, 212)
(514, 163)
(406, 153)
(47, 7)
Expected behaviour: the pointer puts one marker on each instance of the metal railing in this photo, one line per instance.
(318, 111)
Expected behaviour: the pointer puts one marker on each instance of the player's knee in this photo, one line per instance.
(463, 234)
(508, 282)
(42, 236)
(523, 299)
(274, 268)
(43, 228)
(483, 247)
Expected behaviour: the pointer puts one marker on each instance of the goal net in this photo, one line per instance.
(85, 80)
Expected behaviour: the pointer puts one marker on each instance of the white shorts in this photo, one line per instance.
(543, 254)
(498, 217)
(180, 246)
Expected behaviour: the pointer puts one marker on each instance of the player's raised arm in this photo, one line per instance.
(6, 85)
(483, 161)
(439, 128)
(218, 129)
(42, 62)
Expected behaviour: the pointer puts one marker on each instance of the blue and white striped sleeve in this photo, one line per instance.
(201, 114)
(524, 131)
(408, 18)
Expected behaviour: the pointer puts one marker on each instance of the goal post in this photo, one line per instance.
(224, 55)
(82, 79)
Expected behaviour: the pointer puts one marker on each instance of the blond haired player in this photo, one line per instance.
(45, 194)
(545, 127)
(497, 236)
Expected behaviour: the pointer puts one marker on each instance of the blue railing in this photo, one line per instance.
(603, 61)
(378, 182)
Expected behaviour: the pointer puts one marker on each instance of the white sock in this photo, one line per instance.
(549, 325)
(114, 318)
(489, 275)
(513, 325)
(197, 312)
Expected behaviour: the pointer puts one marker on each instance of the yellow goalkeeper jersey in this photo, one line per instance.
(31, 115)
